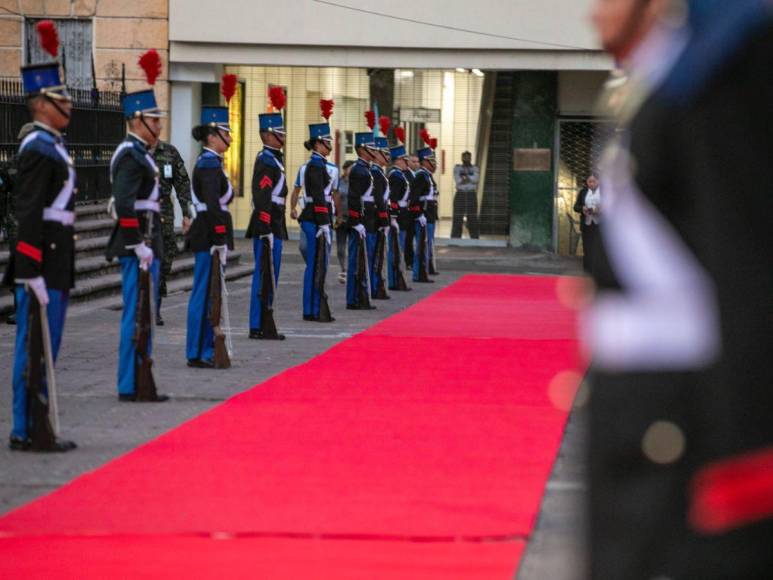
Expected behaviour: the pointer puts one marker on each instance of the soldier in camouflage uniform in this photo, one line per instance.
(173, 174)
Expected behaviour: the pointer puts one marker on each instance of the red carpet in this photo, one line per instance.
(428, 464)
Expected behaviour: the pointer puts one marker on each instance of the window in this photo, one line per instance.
(75, 50)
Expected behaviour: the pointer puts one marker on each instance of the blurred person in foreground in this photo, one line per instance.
(681, 441)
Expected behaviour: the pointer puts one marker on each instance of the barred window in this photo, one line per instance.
(75, 49)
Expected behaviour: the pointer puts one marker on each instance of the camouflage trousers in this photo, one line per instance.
(170, 244)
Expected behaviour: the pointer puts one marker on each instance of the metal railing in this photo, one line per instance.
(96, 129)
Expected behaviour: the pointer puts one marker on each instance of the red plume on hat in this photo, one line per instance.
(424, 134)
(150, 62)
(49, 37)
(277, 97)
(400, 134)
(433, 143)
(326, 106)
(228, 86)
(384, 123)
(370, 117)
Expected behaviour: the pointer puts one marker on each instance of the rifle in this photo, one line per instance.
(145, 385)
(363, 275)
(320, 273)
(222, 360)
(422, 249)
(380, 292)
(268, 293)
(42, 434)
(397, 261)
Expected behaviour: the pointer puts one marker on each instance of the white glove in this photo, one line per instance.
(145, 256)
(111, 209)
(38, 286)
(393, 223)
(324, 230)
(423, 221)
(270, 238)
(360, 229)
(384, 230)
(222, 253)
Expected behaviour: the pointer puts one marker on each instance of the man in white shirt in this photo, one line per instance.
(466, 177)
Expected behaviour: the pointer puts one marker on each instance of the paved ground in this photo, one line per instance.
(105, 429)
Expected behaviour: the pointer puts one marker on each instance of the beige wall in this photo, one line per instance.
(123, 30)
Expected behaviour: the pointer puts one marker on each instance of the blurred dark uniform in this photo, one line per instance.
(681, 438)
(172, 174)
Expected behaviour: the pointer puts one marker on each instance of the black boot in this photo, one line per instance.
(159, 320)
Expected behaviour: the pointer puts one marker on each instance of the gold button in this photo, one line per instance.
(53, 246)
(75, 238)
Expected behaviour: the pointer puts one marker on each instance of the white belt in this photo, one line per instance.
(64, 217)
(402, 203)
(223, 207)
(147, 204)
(200, 207)
(368, 198)
(278, 199)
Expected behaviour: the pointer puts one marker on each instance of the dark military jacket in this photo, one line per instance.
(172, 173)
(44, 198)
(360, 186)
(269, 188)
(380, 192)
(211, 192)
(316, 180)
(135, 180)
(399, 193)
(425, 194)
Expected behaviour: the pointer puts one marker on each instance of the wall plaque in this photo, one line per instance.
(532, 159)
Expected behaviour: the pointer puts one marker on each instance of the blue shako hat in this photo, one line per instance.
(140, 103)
(216, 117)
(398, 151)
(272, 122)
(364, 140)
(43, 79)
(382, 144)
(319, 131)
(425, 153)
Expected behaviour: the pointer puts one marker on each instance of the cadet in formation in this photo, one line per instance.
(315, 219)
(172, 174)
(212, 192)
(400, 220)
(381, 202)
(41, 268)
(267, 227)
(136, 238)
(423, 209)
(360, 196)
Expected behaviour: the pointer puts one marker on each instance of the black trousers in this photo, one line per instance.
(408, 253)
(465, 204)
(590, 240)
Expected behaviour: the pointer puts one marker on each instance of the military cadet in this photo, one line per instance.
(399, 217)
(359, 196)
(173, 174)
(316, 219)
(267, 227)
(208, 235)
(42, 263)
(428, 166)
(136, 238)
(410, 175)
(381, 197)
(681, 441)
(424, 208)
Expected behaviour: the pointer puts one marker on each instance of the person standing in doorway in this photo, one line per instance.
(466, 177)
(588, 204)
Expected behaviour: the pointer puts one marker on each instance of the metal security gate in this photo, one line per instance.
(580, 144)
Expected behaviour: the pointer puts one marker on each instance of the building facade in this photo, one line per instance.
(513, 83)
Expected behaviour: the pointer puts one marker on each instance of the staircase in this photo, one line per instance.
(95, 277)
(495, 204)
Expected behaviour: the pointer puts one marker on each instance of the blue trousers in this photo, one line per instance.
(352, 292)
(127, 354)
(255, 298)
(416, 251)
(311, 295)
(430, 245)
(57, 311)
(370, 246)
(391, 271)
(200, 339)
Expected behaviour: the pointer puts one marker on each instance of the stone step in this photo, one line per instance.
(106, 284)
